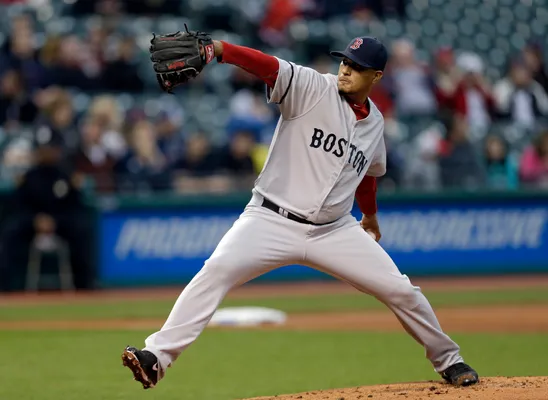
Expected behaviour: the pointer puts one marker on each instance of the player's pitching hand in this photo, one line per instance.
(370, 224)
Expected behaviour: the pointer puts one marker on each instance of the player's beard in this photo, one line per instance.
(343, 92)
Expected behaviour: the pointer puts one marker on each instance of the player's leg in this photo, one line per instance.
(344, 250)
(259, 241)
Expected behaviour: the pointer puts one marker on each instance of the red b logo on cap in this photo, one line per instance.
(357, 43)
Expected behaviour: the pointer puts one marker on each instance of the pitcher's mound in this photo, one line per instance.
(496, 388)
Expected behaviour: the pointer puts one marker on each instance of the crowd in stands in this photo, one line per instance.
(447, 124)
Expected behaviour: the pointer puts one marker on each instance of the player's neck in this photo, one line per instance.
(357, 98)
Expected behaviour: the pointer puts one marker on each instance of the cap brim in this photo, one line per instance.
(351, 56)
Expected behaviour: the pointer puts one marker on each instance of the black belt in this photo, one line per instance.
(284, 213)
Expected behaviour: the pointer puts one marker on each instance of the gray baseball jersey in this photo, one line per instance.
(319, 153)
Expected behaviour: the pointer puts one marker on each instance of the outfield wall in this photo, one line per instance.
(165, 239)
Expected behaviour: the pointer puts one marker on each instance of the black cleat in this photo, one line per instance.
(460, 374)
(143, 364)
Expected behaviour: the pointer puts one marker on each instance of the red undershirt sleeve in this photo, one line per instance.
(366, 195)
(263, 66)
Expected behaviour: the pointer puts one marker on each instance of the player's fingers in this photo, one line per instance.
(375, 234)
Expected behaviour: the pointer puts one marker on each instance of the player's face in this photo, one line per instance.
(354, 79)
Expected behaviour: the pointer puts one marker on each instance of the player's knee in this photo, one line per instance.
(404, 294)
(222, 270)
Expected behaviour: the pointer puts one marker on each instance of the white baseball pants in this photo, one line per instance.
(262, 240)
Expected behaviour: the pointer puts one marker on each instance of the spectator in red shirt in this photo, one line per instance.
(92, 158)
(278, 14)
(446, 76)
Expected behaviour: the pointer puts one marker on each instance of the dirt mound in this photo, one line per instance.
(497, 388)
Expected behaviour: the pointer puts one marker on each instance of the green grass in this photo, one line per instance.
(223, 365)
(340, 302)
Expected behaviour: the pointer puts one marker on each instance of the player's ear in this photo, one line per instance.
(378, 76)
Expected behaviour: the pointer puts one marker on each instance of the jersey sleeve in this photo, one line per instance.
(378, 163)
(297, 90)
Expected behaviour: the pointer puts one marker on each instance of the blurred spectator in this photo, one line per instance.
(278, 15)
(501, 166)
(107, 111)
(410, 82)
(16, 159)
(472, 96)
(422, 171)
(249, 105)
(47, 202)
(393, 178)
(144, 168)
(15, 105)
(519, 98)
(200, 159)
(169, 128)
(203, 168)
(49, 53)
(121, 74)
(446, 77)
(382, 99)
(533, 167)
(70, 64)
(459, 163)
(58, 114)
(249, 112)
(237, 155)
(534, 59)
(324, 64)
(22, 53)
(97, 44)
(92, 158)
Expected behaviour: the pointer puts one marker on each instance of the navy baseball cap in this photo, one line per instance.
(366, 51)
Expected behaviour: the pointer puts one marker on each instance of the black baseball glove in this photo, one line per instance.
(177, 58)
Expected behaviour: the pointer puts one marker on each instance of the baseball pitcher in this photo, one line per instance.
(327, 149)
